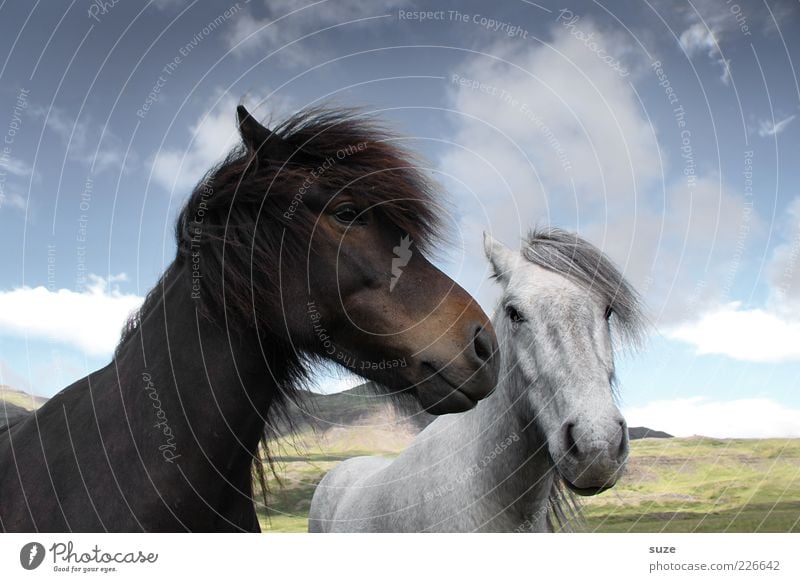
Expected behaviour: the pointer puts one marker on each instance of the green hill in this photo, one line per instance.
(323, 412)
(20, 398)
(15, 404)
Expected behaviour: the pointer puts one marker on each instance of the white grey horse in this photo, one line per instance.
(551, 427)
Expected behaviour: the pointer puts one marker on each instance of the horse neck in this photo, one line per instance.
(516, 478)
(214, 384)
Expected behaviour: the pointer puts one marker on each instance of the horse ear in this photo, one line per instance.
(257, 138)
(500, 256)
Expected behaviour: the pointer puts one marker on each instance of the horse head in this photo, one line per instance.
(561, 299)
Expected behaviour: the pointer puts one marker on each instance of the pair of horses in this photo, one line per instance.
(551, 428)
(287, 253)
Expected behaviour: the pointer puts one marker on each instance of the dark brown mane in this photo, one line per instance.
(244, 209)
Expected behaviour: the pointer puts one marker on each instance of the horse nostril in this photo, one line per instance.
(623, 439)
(570, 445)
(484, 344)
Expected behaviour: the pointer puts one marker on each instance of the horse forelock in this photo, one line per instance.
(324, 150)
(571, 256)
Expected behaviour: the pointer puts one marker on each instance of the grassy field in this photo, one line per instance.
(704, 485)
(672, 485)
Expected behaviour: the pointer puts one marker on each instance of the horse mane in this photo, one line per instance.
(571, 256)
(250, 209)
(241, 206)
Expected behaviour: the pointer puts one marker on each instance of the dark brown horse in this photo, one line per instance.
(307, 242)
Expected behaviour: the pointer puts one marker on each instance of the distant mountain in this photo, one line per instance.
(358, 406)
(15, 404)
(20, 398)
(363, 405)
(642, 432)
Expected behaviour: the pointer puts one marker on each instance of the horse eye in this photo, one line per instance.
(348, 214)
(513, 314)
(608, 313)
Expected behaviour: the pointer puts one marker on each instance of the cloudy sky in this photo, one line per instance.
(666, 133)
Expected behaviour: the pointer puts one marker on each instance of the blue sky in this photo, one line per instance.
(664, 132)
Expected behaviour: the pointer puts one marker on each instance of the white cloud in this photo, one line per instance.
(697, 38)
(767, 127)
(745, 418)
(558, 118)
(720, 16)
(701, 38)
(753, 335)
(90, 321)
(213, 135)
(287, 22)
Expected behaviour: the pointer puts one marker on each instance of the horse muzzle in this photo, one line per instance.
(590, 461)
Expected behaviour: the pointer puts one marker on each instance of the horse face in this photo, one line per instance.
(372, 302)
(391, 316)
(556, 335)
